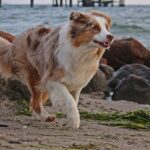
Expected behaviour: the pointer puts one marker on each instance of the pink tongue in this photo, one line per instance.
(105, 44)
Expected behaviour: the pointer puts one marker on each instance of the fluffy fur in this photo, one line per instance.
(57, 63)
(7, 36)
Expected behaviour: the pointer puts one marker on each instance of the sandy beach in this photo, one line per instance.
(24, 133)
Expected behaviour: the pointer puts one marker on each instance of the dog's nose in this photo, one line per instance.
(109, 37)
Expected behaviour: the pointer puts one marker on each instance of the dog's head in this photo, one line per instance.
(90, 29)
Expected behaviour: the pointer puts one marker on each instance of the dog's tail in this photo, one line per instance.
(6, 58)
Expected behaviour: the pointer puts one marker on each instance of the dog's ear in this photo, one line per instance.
(75, 15)
(100, 14)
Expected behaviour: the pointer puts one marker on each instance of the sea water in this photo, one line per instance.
(129, 21)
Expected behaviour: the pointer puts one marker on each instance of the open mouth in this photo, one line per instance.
(102, 44)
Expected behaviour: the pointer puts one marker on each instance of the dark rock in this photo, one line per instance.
(131, 82)
(126, 51)
(133, 88)
(135, 69)
(13, 90)
(97, 84)
(107, 70)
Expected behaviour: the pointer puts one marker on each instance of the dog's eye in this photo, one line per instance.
(96, 29)
(89, 26)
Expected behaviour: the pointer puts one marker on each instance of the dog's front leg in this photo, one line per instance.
(76, 95)
(57, 92)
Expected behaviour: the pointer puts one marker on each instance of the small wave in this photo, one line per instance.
(129, 27)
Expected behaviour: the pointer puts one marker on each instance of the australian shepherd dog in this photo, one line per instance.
(57, 63)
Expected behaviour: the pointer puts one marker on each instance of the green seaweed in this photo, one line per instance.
(138, 119)
(23, 108)
(60, 115)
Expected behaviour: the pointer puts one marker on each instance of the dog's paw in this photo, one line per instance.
(75, 125)
(36, 116)
(51, 118)
(74, 119)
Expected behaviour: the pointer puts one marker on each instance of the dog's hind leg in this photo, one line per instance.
(35, 102)
(37, 105)
(45, 97)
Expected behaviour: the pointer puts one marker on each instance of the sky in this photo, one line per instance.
(141, 2)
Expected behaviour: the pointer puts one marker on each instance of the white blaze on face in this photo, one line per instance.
(102, 36)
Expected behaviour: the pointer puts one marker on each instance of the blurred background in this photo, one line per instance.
(132, 20)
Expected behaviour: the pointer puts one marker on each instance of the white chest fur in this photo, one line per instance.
(79, 64)
(79, 77)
